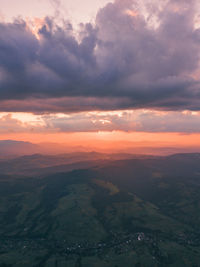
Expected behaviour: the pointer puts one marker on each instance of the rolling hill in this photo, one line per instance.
(142, 211)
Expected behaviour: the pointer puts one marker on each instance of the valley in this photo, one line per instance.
(138, 211)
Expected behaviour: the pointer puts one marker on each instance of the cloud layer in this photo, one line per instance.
(134, 56)
(186, 122)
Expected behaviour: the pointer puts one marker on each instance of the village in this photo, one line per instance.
(119, 244)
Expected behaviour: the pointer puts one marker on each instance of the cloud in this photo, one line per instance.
(127, 121)
(9, 124)
(186, 122)
(134, 56)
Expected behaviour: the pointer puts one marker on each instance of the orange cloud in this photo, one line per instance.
(131, 13)
(35, 24)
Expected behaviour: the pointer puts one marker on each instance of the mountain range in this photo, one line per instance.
(13, 148)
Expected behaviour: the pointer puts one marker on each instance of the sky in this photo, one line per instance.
(74, 10)
(100, 70)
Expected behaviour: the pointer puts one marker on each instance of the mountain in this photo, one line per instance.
(141, 211)
(40, 164)
(11, 147)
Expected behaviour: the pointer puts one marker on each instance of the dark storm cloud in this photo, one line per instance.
(119, 62)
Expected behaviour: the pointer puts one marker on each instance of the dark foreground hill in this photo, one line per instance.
(133, 212)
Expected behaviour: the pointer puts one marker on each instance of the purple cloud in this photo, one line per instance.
(120, 62)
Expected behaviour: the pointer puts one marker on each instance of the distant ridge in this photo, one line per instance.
(15, 148)
(18, 148)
